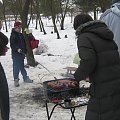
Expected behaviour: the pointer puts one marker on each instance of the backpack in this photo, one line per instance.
(34, 43)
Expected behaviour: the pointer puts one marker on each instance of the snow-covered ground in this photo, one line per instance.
(23, 105)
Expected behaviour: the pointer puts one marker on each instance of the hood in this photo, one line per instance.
(96, 27)
(116, 9)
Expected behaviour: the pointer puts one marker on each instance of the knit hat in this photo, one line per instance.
(17, 24)
(115, 1)
(81, 19)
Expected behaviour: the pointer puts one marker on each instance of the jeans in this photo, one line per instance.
(18, 66)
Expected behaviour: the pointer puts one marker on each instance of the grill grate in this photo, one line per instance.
(60, 90)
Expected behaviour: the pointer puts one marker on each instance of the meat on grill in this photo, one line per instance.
(62, 84)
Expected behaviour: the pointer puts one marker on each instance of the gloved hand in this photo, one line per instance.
(19, 50)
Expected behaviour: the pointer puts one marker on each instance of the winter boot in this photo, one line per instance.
(28, 80)
(16, 83)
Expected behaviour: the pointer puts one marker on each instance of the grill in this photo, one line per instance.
(61, 92)
(62, 89)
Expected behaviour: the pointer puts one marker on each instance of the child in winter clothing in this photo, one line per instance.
(18, 46)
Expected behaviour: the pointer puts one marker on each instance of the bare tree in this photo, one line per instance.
(37, 8)
(3, 10)
(51, 8)
(64, 5)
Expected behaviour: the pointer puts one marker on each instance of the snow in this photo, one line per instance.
(22, 103)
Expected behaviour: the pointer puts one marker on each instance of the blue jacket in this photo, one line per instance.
(112, 19)
(17, 41)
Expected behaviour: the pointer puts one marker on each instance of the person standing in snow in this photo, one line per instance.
(4, 92)
(112, 19)
(18, 46)
(100, 62)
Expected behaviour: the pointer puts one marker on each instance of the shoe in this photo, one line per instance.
(28, 81)
(16, 83)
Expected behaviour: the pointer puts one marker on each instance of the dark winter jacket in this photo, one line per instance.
(4, 95)
(17, 41)
(100, 61)
(3, 42)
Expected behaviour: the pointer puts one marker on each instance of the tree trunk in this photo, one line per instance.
(29, 20)
(36, 23)
(24, 18)
(6, 25)
(55, 27)
(71, 14)
(95, 17)
(42, 25)
(63, 13)
(62, 23)
(30, 56)
(4, 16)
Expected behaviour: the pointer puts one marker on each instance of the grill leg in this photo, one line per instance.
(50, 115)
(72, 111)
(46, 105)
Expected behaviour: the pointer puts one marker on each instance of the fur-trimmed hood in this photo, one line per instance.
(97, 27)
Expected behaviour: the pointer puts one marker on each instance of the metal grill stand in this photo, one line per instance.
(61, 94)
(65, 105)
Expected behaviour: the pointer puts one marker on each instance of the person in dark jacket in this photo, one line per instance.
(100, 62)
(18, 46)
(4, 92)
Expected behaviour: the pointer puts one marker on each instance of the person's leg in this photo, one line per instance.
(22, 69)
(16, 69)
(24, 73)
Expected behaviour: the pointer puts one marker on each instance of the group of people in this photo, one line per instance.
(99, 48)
(18, 50)
(98, 44)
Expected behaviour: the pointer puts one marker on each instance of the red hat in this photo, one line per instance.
(17, 24)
